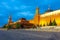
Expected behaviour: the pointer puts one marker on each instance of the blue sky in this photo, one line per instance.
(24, 8)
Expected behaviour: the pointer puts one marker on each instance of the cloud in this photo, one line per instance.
(0, 5)
(16, 8)
(2, 14)
(46, 2)
(24, 6)
(18, 15)
(12, 0)
(5, 5)
(28, 13)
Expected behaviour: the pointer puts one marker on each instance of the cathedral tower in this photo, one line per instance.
(37, 17)
(9, 20)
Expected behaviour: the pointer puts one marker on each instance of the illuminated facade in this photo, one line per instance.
(45, 18)
(54, 15)
(42, 19)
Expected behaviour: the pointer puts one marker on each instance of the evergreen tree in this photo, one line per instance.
(54, 23)
(40, 25)
(50, 24)
(4, 26)
(9, 26)
(44, 25)
(18, 25)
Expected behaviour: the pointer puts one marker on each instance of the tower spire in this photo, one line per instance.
(37, 10)
(10, 19)
(37, 17)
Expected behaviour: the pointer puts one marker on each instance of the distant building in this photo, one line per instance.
(10, 20)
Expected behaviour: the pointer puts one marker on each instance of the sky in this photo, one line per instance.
(24, 9)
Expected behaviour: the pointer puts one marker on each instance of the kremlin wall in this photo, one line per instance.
(54, 15)
(39, 19)
(45, 18)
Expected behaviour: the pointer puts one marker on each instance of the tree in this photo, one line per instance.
(54, 23)
(4, 26)
(18, 25)
(40, 25)
(50, 24)
(44, 25)
(10, 26)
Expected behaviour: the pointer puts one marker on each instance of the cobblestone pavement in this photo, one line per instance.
(28, 35)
